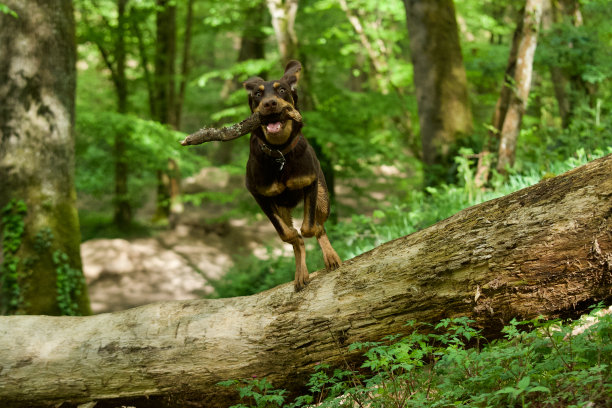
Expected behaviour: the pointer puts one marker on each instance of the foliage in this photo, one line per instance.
(539, 363)
(69, 284)
(149, 145)
(5, 10)
(12, 220)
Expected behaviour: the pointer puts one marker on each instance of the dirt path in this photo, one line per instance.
(174, 265)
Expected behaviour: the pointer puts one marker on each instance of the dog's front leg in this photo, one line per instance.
(283, 223)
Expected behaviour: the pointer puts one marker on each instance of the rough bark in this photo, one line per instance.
(522, 84)
(544, 250)
(37, 92)
(439, 77)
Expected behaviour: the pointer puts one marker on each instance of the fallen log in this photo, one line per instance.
(544, 250)
(237, 130)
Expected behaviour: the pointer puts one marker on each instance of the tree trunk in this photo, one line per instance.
(543, 251)
(439, 79)
(283, 13)
(123, 209)
(185, 66)
(522, 83)
(165, 54)
(485, 157)
(40, 262)
(165, 99)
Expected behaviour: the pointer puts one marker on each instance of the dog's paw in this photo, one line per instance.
(332, 261)
(300, 284)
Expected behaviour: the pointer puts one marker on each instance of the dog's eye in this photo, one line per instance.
(281, 91)
(258, 94)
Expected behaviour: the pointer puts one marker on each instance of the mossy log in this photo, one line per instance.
(237, 130)
(544, 250)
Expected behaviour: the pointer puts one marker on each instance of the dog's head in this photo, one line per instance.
(270, 97)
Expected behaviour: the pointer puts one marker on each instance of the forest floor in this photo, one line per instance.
(174, 264)
(179, 263)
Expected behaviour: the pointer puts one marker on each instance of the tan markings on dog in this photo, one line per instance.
(274, 189)
(322, 201)
(276, 84)
(296, 183)
(261, 87)
(280, 137)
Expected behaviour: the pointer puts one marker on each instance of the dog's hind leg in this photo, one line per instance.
(330, 257)
(283, 223)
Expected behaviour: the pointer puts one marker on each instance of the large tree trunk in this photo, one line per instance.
(522, 82)
(439, 79)
(545, 250)
(40, 261)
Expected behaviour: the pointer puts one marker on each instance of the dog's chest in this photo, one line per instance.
(277, 187)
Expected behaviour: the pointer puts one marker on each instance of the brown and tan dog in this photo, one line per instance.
(283, 170)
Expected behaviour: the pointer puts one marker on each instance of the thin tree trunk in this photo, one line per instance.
(185, 67)
(439, 79)
(40, 260)
(522, 84)
(283, 13)
(165, 54)
(378, 60)
(543, 251)
(144, 59)
(123, 209)
(485, 157)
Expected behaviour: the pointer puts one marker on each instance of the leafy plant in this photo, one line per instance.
(450, 364)
(13, 226)
(70, 282)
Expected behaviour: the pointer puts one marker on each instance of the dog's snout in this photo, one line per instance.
(270, 103)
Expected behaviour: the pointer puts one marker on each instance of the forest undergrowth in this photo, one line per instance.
(536, 364)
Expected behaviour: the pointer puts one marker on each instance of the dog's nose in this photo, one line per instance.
(269, 103)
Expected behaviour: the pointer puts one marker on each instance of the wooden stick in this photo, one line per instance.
(235, 131)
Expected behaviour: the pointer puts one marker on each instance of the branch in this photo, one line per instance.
(235, 131)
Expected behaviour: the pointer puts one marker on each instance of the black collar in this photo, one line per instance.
(278, 154)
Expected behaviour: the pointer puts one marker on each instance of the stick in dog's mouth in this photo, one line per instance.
(239, 129)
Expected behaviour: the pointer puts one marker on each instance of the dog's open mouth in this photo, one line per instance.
(273, 123)
(274, 127)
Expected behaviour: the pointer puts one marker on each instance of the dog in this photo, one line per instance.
(283, 170)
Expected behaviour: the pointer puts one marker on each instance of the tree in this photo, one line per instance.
(41, 262)
(439, 79)
(527, 42)
(542, 251)
(283, 13)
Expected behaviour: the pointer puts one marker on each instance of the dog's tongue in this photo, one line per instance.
(273, 127)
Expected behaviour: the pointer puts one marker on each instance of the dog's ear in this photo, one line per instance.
(292, 73)
(252, 84)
